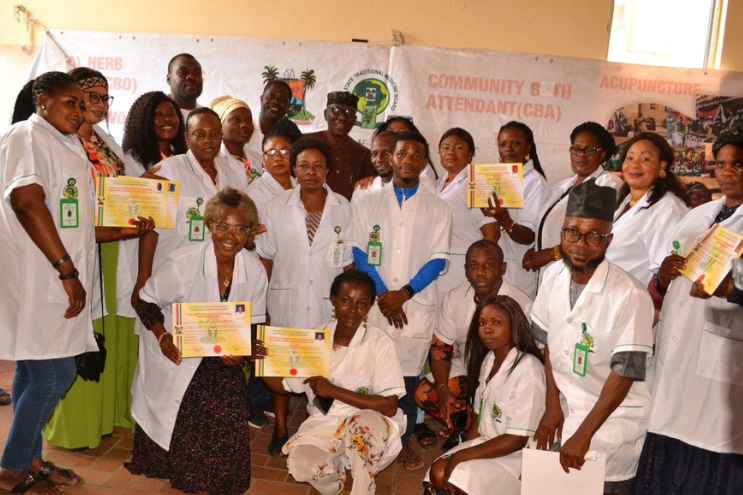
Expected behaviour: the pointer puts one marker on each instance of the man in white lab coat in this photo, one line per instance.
(401, 236)
(596, 323)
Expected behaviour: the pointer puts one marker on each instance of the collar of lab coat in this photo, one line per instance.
(296, 200)
(597, 281)
(461, 176)
(71, 141)
(358, 337)
(504, 367)
(273, 184)
(209, 269)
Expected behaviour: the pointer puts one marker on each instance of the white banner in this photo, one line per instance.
(439, 88)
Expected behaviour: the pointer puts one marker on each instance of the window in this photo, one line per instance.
(671, 33)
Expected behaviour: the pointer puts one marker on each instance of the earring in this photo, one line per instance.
(43, 107)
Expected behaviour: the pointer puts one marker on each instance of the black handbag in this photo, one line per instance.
(90, 365)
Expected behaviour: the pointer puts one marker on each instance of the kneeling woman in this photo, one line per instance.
(504, 368)
(192, 414)
(362, 426)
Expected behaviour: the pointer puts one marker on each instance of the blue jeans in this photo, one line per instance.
(38, 387)
(409, 407)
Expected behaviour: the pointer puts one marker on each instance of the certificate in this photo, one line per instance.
(212, 329)
(713, 257)
(294, 352)
(506, 180)
(542, 473)
(122, 198)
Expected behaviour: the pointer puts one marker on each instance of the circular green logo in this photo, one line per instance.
(374, 98)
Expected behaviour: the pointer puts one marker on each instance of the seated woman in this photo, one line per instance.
(504, 368)
(354, 420)
(192, 414)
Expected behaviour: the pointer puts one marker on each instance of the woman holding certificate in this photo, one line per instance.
(354, 422)
(694, 431)
(192, 413)
(652, 204)
(92, 408)
(305, 246)
(456, 150)
(516, 145)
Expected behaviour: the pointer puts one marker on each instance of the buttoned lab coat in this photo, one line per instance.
(32, 300)
(641, 235)
(299, 290)
(456, 313)
(618, 314)
(698, 392)
(411, 235)
(187, 275)
(535, 195)
(508, 404)
(370, 365)
(466, 226)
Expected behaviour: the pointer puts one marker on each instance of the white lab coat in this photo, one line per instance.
(188, 275)
(128, 263)
(553, 215)
(465, 228)
(32, 300)
(642, 236)
(535, 195)
(264, 189)
(698, 397)
(411, 235)
(255, 161)
(456, 314)
(376, 185)
(509, 404)
(299, 291)
(619, 315)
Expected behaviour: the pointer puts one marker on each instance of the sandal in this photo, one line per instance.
(410, 459)
(66, 477)
(5, 399)
(425, 436)
(29, 481)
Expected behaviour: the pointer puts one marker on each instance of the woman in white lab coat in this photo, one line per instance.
(652, 204)
(695, 440)
(237, 129)
(504, 368)
(456, 150)
(277, 175)
(590, 146)
(354, 419)
(518, 226)
(201, 174)
(305, 246)
(48, 239)
(192, 413)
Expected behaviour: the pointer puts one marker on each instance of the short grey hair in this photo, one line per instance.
(231, 198)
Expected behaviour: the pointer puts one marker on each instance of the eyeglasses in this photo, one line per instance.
(592, 238)
(342, 110)
(223, 228)
(736, 166)
(585, 151)
(276, 152)
(96, 98)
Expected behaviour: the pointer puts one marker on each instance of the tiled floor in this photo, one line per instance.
(104, 473)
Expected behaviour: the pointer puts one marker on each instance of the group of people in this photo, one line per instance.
(563, 325)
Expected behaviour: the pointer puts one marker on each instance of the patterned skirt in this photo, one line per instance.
(209, 450)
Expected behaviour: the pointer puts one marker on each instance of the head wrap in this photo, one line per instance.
(91, 82)
(225, 104)
(591, 201)
(343, 98)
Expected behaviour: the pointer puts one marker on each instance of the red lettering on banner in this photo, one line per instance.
(474, 83)
(658, 86)
(462, 104)
(126, 84)
(105, 63)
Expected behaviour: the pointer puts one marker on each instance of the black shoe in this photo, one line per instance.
(258, 419)
(276, 444)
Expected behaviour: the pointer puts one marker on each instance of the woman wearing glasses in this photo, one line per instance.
(277, 175)
(590, 146)
(652, 202)
(305, 246)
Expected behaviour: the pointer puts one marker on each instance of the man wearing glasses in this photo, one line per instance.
(596, 323)
(350, 161)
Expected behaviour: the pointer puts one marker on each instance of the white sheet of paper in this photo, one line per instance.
(541, 473)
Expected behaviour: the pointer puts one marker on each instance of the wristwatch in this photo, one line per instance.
(70, 275)
(409, 289)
